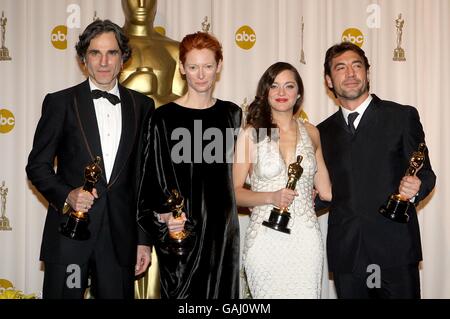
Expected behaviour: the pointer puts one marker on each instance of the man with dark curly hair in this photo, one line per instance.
(367, 145)
(98, 117)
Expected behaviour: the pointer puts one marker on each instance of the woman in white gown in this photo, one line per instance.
(277, 264)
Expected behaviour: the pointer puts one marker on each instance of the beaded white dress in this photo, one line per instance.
(276, 264)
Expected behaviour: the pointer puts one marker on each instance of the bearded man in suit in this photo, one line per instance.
(367, 145)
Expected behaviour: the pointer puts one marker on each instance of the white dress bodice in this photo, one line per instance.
(279, 265)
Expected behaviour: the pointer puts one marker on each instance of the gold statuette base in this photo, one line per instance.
(180, 243)
(76, 226)
(396, 209)
(399, 55)
(4, 54)
(4, 223)
(278, 220)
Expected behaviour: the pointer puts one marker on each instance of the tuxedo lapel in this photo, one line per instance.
(127, 138)
(369, 118)
(340, 121)
(87, 121)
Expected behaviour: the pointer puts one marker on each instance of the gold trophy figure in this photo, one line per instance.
(205, 25)
(154, 71)
(178, 243)
(396, 208)
(4, 53)
(399, 52)
(76, 226)
(95, 18)
(154, 65)
(4, 221)
(279, 217)
(302, 53)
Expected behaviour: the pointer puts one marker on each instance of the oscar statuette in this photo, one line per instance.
(154, 71)
(399, 52)
(396, 208)
(279, 217)
(4, 53)
(206, 25)
(76, 226)
(179, 242)
(302, 52)
(4, 221)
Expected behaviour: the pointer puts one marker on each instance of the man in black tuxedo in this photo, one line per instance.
(98, 117)
(367, 154)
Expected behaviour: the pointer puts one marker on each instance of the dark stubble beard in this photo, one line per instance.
(352, 95)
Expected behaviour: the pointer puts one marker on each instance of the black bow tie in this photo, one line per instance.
(96, 94)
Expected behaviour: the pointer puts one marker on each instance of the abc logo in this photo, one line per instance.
(245, 37)
(354, 36)
(59, 37)
(7, 121)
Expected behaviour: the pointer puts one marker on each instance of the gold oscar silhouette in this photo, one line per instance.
(179, 242)
(154, 71)
(4, 221)
(206, 25)
(399, 52)
(396, 208)
(76, 226)
(4, 52)
(302, 52)
(279, 216)
(153, 68)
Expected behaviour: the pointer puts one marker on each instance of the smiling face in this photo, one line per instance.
(284, 92)
(104, 60)
(201, 70)
(349, 78)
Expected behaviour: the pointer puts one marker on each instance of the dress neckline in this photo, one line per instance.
(195, 109)
(298, 138)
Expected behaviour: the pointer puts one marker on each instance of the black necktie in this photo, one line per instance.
(351, 119)
(96, 94)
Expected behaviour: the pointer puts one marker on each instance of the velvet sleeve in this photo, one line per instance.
(156, 179)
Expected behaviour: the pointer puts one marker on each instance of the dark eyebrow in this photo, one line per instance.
(114, 51)
(284, 82)
(339, 64)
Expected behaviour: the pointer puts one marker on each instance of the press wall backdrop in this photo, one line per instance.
(40, 35)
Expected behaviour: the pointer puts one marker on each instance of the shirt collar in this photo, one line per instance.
(114, 90)
(360, 109)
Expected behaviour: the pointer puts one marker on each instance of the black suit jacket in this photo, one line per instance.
(67, 137)
(365, 169)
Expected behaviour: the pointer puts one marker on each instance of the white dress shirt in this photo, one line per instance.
(360, 109)
(109, 121)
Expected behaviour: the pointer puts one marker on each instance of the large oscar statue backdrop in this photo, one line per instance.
(152, 70)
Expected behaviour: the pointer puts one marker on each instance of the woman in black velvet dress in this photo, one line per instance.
(190, 149)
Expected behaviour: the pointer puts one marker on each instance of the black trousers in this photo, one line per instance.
(394, 283)
(109, 280)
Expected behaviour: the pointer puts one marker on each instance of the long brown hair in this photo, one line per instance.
(259, 111)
